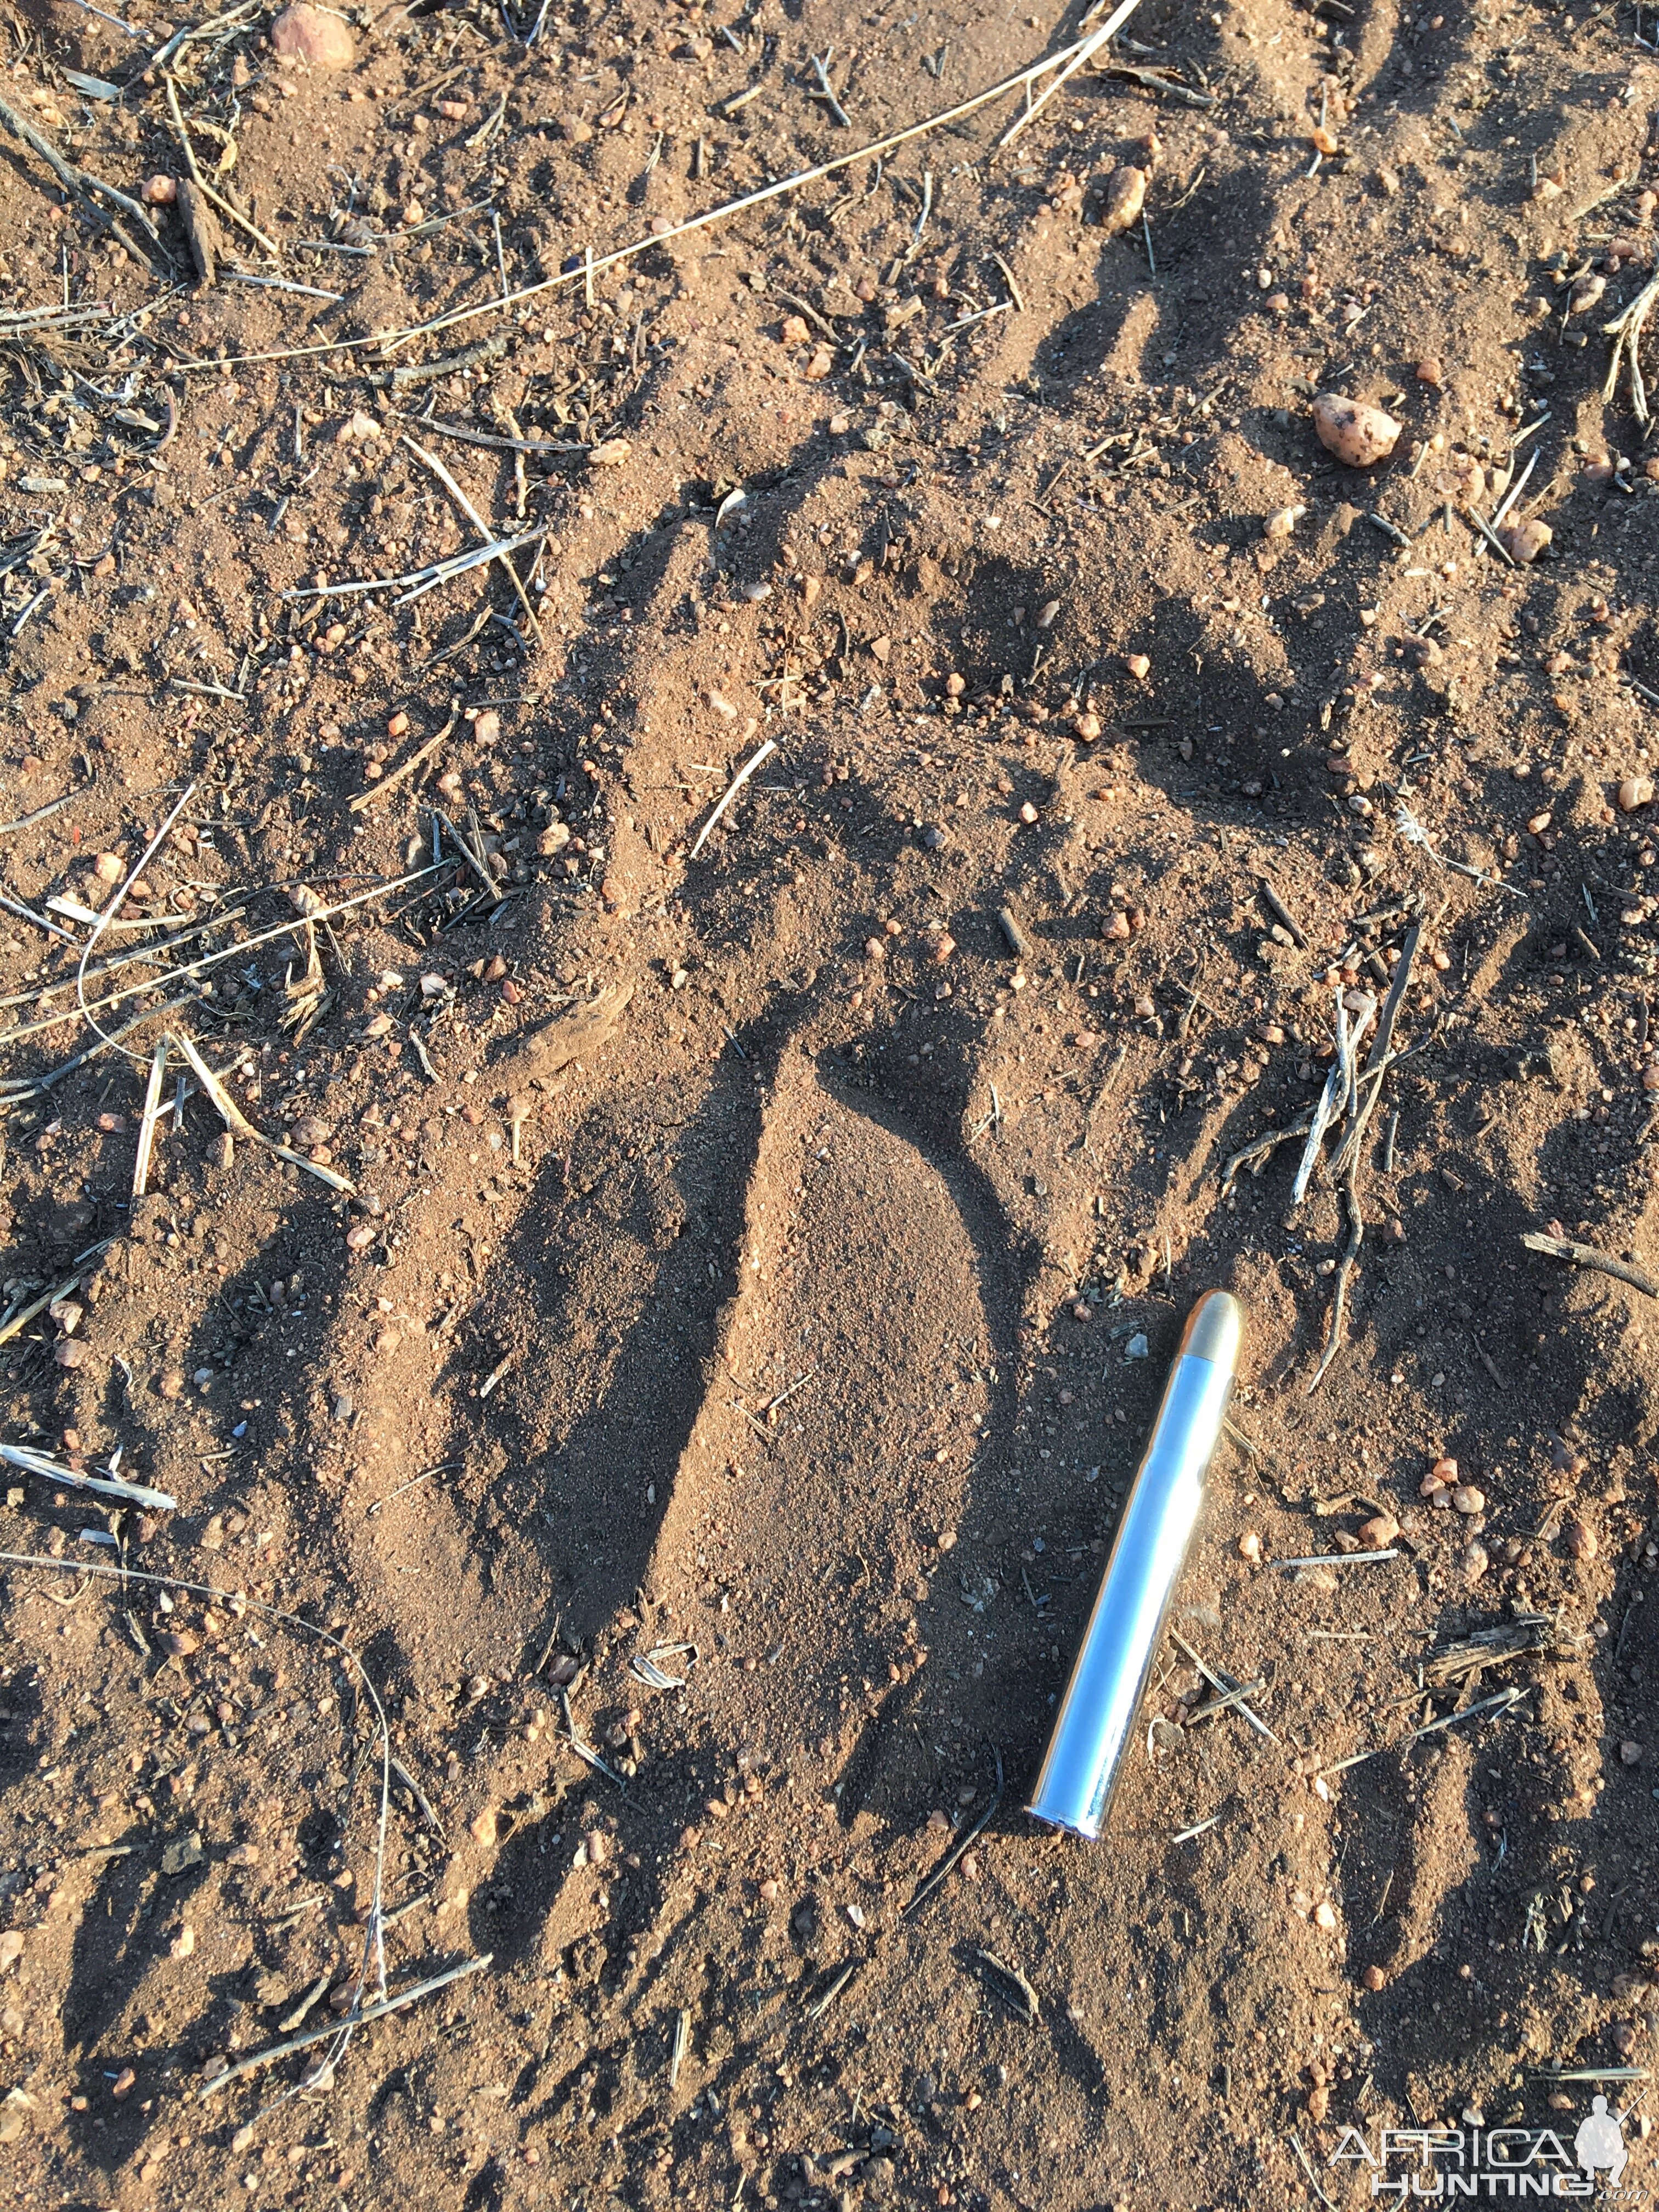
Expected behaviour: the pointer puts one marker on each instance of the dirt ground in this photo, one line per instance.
(697, 1407)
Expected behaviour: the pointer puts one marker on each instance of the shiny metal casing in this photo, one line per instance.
(1096, 1723)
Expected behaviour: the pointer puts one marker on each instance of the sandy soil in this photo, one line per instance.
(755, 1251)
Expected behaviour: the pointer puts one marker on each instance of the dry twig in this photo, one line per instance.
(401, 774)
(358, 2018)
(1586, 1255)
(931, 1882)
(216, 199)
(79, 182)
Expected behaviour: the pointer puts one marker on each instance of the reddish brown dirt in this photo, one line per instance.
(809, 1338)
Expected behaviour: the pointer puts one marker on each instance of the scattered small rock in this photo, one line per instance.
(178, 1857)
(1580, 1539)
(1126, 196)
(1525, 541)
(1361, 436)
(314, 36)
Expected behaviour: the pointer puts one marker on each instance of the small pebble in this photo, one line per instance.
(1374, 1978)
(1249, 1546)
(1580, 1540)
(1126, 196)
(1525, 541)
(1633, 792)
(1468, 1499)
(1359, 436)
(314, 36)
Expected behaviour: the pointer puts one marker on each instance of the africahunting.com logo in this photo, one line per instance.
(1444, 2164)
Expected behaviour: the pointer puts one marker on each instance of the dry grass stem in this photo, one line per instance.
(1081, 55)
(878, 148)
(53, 1470)
(731, 792)
(239, 1125)
(158, 1067)
(478, 523)
(195, 968)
